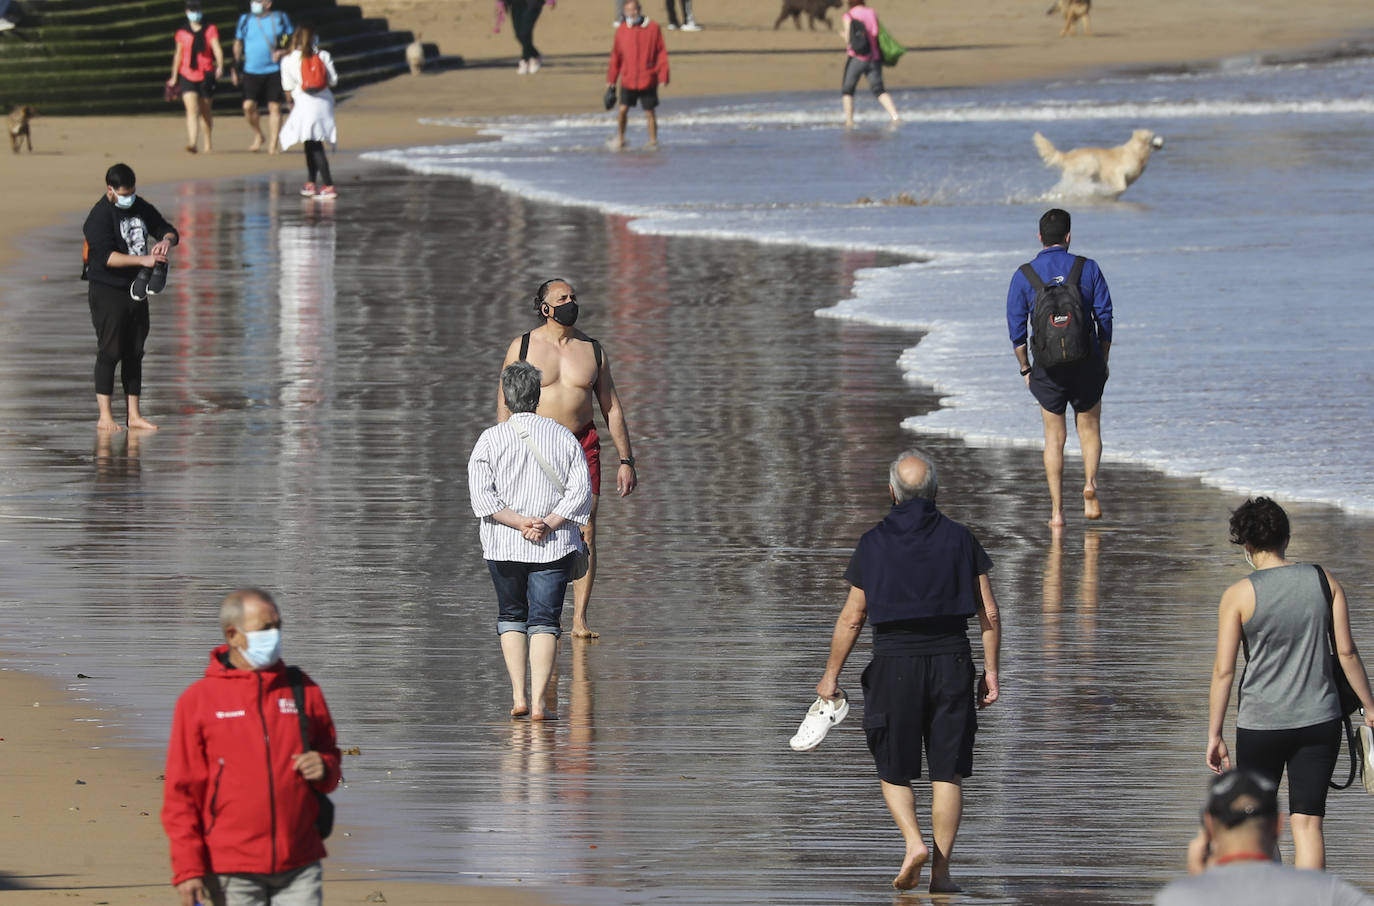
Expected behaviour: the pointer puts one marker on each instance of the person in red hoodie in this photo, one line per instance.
(240, 800)
(639, 60)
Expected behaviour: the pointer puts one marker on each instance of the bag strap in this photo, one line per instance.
(1036, 283)
(297, 680)
(1350, 735)
(1076, 273)
(539, 457)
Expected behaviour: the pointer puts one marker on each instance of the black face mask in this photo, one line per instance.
(565, 314)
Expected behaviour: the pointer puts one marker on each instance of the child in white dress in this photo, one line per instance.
(307, 74)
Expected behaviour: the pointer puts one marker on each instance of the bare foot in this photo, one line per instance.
(1056, 519)
(190, 149)
(108, 426)
(257, 145)
(519, 710)
(910, 875)
(274, 150)
(1092, 509)
(582, 632)
(943, 884)
(142, 423)
(543, 715)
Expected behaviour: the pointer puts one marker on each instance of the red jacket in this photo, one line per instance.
(638, 57)
(232, 802)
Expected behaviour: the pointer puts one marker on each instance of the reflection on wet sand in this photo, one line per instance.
(319, 383)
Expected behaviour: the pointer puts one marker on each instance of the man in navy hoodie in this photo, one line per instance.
(919, 577)
(239, 802)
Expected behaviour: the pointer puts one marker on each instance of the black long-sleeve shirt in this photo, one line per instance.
(125, 230)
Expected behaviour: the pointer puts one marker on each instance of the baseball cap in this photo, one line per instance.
(1238, 795)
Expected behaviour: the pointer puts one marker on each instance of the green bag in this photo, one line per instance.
(889, 47)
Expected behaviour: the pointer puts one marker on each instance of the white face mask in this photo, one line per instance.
(255, 8)
(264, 648)
(125, 201)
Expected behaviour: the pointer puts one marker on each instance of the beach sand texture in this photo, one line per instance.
(671, 757)
(318, 409)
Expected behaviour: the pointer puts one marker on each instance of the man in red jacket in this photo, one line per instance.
(640, 61)
(239, 803)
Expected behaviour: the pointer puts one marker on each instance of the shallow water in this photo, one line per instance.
(320, 379)
(1238, 263)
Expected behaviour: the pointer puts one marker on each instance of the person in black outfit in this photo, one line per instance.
(128, 242)
(919, 576)
(523, 15)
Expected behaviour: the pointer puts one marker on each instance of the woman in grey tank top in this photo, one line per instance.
(1289, 714)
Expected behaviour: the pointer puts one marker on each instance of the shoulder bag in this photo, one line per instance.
(324, 818)
(1350, 702)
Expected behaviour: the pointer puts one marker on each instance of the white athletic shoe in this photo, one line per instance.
(535, 65)
(671, 27)
(691, 26)
(523, 68)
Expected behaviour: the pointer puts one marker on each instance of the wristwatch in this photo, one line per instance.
(1025, 372)
(628, 462)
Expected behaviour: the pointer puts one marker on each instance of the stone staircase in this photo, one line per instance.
(75, 57)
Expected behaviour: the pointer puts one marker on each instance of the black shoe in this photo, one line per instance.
(138, 290)
(158, 281)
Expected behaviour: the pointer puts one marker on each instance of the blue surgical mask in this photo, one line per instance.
(264, 648)
(194, 16)
(125, 201)
(256, 8)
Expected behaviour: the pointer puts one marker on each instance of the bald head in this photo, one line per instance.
(912, 475)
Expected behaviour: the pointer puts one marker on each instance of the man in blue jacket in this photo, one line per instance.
(1078, 384)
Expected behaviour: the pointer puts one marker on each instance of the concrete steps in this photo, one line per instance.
(75, 57)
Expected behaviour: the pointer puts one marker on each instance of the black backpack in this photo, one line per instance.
(858, 39)
(1059, 329)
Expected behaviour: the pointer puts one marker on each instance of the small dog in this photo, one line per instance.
(814, 9)
(415, 56)
(1102, 172)
(19, 128)
(1074, 11)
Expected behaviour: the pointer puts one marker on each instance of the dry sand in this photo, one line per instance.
(100, 840)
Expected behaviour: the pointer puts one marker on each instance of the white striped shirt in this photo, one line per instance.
(502, 472)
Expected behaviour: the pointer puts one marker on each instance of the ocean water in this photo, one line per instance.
(1239, 263)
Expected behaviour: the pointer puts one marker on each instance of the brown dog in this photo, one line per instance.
(19, 127)
(814, 9)
(1074, 11)
(1102, 172)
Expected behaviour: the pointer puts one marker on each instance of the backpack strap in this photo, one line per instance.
(1077, 273)
(296, 678)
(596, 351)
(524, 346)
(1036, 283)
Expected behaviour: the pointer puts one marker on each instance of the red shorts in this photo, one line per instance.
(591, 447)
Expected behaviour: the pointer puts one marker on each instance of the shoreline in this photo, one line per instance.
(75, 734)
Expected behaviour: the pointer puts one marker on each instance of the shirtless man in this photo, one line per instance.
(575, 371)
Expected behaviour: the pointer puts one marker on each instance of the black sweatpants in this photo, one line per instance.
(317, 165)
(523, 15)
(121, 328)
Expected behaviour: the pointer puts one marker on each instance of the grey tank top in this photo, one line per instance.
(1287, 681)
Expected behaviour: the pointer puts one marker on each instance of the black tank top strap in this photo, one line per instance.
(596, 350)
(524, 346)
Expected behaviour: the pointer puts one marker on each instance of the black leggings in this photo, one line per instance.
(121, 329)
(317, 165)
(1309, 753)
(523, 15)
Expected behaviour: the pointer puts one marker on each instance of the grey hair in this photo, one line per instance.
(904, 492)
(520, 382)
(231, 608)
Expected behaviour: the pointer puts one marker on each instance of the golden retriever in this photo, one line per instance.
(1074, 11)
(1103, 172)
(19, 128)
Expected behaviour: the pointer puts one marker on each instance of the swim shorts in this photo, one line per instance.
(591, 447)
(1079, 385)
(647, 97)
(263, 89)
(910, 700)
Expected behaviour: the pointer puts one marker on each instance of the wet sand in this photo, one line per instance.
(320, 380)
